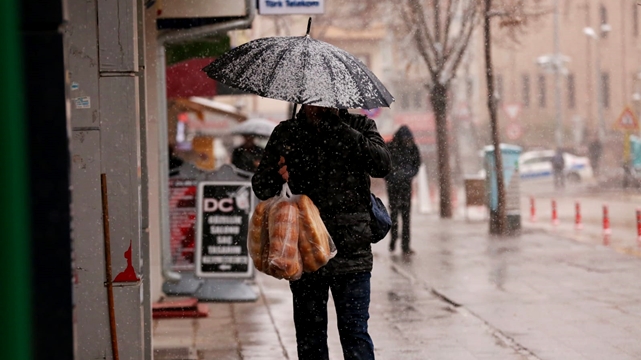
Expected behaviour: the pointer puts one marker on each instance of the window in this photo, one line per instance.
(542, 93)
(405, 101)
(418, 99)
(499, 88)
(571, 92)
(604, 19)
(635, 19)
(469, 88)
(605, 89)
(525, 91)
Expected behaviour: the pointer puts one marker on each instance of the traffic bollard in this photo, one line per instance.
(639, 227)
(606, 221)
(578, 224)
(555, 216)
(532, 209)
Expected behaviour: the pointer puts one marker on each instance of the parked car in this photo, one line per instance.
(537, 164)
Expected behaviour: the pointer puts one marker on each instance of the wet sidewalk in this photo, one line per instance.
(464, 295)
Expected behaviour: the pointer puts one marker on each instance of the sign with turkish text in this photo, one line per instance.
(281, 7)
(627, 121)
(224, 209)
(182, 223)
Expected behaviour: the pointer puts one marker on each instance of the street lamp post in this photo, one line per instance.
(599, 81)
(558, 133)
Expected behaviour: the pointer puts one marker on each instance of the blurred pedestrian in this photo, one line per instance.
(247, 156)
(406, 161)
(558, 169)
(595, 149)
(329, 155)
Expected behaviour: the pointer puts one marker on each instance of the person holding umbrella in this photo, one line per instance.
(247, 156)
(329, 155)
(406, 161)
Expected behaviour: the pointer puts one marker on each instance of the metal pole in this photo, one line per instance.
(599, 90)
(109, 283)
(558, 134)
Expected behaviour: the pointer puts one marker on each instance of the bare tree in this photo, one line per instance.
(514, 15)
(440, 31)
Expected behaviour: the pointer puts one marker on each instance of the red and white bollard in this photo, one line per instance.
(639, 227)
(606, 221)
(532, 209)
(555, 216)
(578, 224)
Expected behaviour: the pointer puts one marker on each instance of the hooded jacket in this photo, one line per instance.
(332, 164)
(406, 159)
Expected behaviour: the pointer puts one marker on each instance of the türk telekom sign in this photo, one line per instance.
(280, 7)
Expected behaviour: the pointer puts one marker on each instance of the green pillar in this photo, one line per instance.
(15, 281)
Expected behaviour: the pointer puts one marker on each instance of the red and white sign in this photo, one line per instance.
(182, 220)
(513, 131)
(627, 121)
(512, 110)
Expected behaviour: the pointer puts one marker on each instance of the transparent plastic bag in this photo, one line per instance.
(258, 237)
(314, 242)
(284, 257)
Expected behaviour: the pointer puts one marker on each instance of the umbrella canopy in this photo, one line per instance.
(301, 70)
(258, 127)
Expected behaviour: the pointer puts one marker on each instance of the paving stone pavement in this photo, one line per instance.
(464, 295)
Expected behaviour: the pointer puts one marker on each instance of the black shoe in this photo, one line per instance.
(392, 247)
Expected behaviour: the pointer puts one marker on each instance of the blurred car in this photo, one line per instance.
(538, 164)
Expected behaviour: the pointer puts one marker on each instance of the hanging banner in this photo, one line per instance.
(224, 209)
(282, 7)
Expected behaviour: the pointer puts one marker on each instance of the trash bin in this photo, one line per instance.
(510, 156)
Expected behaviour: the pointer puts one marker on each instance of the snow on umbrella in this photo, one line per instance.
(301, 70)
(258, 127)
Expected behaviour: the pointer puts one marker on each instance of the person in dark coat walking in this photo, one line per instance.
(247, 156)
(329, 155)
(406, 161)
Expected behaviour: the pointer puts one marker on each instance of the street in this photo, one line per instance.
(622, 205)
(464, 295)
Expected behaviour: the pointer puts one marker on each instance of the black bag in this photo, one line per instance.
(380, 221)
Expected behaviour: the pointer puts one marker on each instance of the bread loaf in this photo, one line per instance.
(313, 239)
(258, 237)
(284, 257)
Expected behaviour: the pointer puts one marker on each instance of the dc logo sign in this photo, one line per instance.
(223, 205)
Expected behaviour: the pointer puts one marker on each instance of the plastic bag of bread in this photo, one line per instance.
(314, 242)
(258, 236)
(284, 257)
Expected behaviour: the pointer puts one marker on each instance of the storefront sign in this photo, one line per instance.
(222, 222)
(182, 221)
(280, 7)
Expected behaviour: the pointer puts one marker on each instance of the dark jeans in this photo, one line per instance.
(351, 294)
(559, 178)
(405, 210)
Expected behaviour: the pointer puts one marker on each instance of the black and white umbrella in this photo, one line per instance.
(300, 70)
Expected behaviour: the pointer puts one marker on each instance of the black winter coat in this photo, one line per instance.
(406, 161)
(332, 164)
